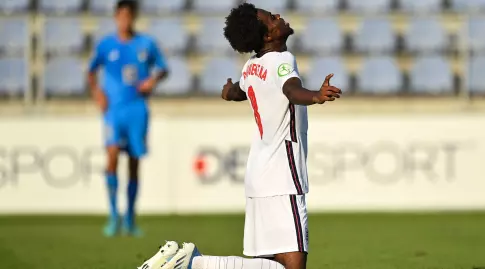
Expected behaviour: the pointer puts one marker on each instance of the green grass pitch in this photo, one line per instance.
(337, 241)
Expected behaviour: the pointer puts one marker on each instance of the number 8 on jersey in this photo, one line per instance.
(254, 104)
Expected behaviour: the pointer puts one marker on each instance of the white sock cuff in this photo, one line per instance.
(232, 262)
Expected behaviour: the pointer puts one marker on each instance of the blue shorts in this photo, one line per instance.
(127, 128)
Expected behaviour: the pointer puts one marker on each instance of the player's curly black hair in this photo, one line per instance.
(130, 4)
(244, 31)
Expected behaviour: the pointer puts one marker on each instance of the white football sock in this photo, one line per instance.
(215, 262)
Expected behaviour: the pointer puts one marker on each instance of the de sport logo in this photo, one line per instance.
(212, 164)
(284, 69)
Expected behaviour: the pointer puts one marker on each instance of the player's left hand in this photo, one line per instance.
(146, 87)
(327, 92)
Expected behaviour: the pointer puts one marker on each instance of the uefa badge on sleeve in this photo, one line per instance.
(284, 69)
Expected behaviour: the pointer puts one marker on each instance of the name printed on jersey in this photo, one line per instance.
(256, 70)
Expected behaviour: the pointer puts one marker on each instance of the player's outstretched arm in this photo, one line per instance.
(232, 92)
(298, 95)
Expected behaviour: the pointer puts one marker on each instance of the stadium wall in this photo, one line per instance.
(372, 163)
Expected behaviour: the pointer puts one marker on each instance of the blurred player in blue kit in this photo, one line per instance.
(133, 65)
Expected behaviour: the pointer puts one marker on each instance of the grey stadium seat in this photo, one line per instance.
(63, 36)
(14, 76)
(211, 37)
(426, 35)
(369, 6)
(214, 6)
(170, 34)
(273, 6)
(476, 79)
(14, 36)
(179, 82)
(104, 26)
(468, 5)
(64, 77)
(166, 6)
(476, 38)
(420, 6)
(321, 67)
(328, 40)
(60, 6)
(14, 6)
(379, 75)
(375, 35)
(102, 6)
(216, 72)
(317, 6)
(431, 75)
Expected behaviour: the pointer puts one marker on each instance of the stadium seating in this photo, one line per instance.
(216, 72)
(14, 35)
(14, 6)
(475, 75)
(321, 67)
(104, 26)
(369, 6)
(317, 6)
(426, 35)
(62, 36)
(329, 38)
(379, 75)
(102, 6)
(170, 34)
(375, 36)
(211, 38)
(420, 6)
(165, 6)
(274, 6)
(214, 6)
(468, 5)
(14, 76)
(60, 6)
(64, 77)
(431, 75)
(180, 80)
(476, 38)
(192, 31)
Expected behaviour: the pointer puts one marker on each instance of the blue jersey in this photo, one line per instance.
(126, 64)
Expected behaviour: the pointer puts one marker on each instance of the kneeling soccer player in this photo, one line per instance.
(276, 231)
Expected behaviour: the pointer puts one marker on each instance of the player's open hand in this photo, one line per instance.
(327, 92)
(225, 90)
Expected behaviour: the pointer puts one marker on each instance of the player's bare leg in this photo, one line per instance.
(292, 260)
(112, 228)
(129, 223)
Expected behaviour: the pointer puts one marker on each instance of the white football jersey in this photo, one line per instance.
(277, 159)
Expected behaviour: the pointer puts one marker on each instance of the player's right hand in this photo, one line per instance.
(225, 90)
(327, 92)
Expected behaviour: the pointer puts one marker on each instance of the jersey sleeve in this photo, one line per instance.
(241, 83)
(243, 78)
(286, 68)
(157, 57)
(97, 58)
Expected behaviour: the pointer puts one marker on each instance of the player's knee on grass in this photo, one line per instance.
(133, 164)
(292, 260)
(112, 162)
